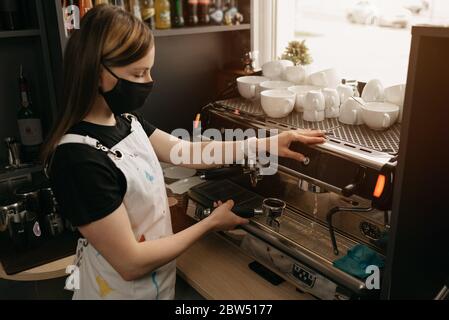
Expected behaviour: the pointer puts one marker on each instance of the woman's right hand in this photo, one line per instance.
(223, 219)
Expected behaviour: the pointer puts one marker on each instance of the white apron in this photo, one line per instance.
(147, 205)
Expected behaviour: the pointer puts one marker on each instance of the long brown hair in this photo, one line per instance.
(108, 35)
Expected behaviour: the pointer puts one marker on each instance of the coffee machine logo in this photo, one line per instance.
(71, 17)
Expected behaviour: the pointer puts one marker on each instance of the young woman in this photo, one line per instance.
(105, 168)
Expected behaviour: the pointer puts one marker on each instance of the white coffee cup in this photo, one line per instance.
(345, 92)
(275, 85)
(327, 78)
(396, 95)
(249, 87)
(314, 101)
(301, 92)
(351, 111)
(295, 74)
(275, 69)
(277, 103)
(380, 115)
(332, 103)
(374, 91)
(313, 115)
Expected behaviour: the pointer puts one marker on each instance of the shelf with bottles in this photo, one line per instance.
(184, 17)
(171, 17)
(199, 30)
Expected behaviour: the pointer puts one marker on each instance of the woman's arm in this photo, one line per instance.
(171, 149)
(114, 239)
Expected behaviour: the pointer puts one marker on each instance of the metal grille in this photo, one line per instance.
(383, 141)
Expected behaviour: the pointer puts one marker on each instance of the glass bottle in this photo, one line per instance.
(177, 15)
(216, 12)
(203, 12)
(148, 12)
(30, 126)
(163, 18)
(191, 12)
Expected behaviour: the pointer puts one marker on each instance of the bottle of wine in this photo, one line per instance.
(30, 126)
(148, 12)
(177, 14)
(191, 12)
(203, 12)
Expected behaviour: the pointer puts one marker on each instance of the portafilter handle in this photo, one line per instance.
(245, 213)
(221, 173)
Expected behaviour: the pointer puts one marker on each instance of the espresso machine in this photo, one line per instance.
(311, 214)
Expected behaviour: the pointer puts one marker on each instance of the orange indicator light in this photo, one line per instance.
(380, 186)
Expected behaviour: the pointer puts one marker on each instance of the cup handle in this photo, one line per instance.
(387, 121)
(300, 99)
(286, 103)
(336, 110)
(354, 117)
(253, 90)
(336, 102)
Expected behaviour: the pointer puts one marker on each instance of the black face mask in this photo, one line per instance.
(126, 96)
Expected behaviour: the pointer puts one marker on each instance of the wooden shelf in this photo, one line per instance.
(20, 33)
(199, 30)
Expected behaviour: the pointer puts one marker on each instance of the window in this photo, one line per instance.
(362, 39)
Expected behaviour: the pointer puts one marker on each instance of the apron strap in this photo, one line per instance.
(135, 124)
(79, 139)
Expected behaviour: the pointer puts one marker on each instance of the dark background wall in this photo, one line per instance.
(185, 73)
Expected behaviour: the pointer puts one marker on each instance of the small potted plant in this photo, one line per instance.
(298, 53)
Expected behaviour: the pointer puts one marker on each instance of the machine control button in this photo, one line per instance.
(306, 161)
(370, 230)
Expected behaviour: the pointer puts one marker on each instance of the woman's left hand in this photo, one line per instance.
(307, 137)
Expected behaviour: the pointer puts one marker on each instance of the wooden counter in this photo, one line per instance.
(48, 271)
(219, 271)
(213, 267)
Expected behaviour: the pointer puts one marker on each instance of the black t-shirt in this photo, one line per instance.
(87, 184)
